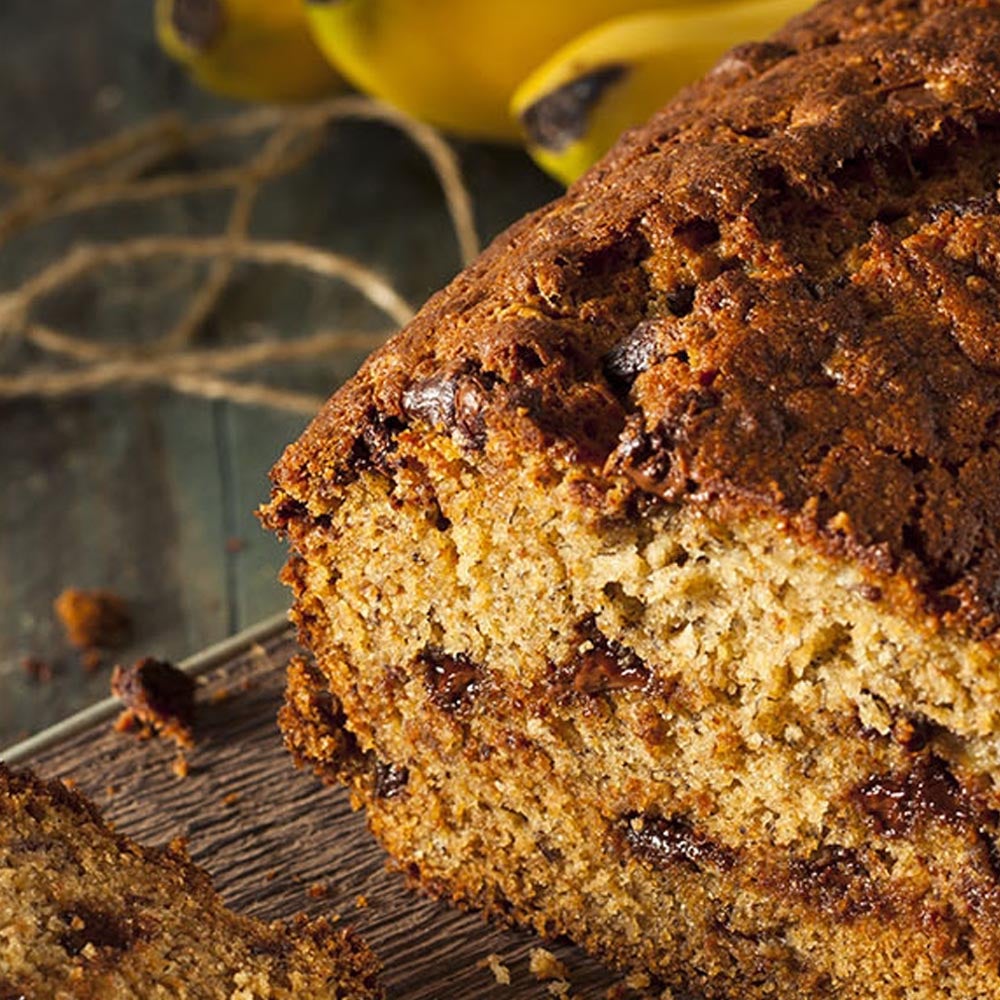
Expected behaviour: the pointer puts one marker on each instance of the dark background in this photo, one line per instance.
(141, 490)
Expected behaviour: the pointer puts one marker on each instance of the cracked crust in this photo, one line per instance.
(777, 297)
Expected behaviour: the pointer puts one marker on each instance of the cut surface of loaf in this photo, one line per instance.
(86, 913)
(652, 573)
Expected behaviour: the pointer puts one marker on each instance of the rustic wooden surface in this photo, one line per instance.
(269, 834)
(141, 490)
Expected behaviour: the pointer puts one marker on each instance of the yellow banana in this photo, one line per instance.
(257, 50)
(453, 63)
(575, 105)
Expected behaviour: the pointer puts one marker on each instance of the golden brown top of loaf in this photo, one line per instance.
(780, 296)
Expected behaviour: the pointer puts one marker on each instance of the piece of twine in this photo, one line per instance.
(113, 172)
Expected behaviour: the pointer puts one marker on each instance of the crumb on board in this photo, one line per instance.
(220, 695)
(110, 791)
(361, 901)
(158, 700)
(270, 875)
(558, 988)
(544, 966)
(37, 669)
(494, 963)
(180, 766)
(318, 890)
(93, 619)
(231, 799)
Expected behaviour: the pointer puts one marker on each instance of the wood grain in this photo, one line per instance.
(269, 834)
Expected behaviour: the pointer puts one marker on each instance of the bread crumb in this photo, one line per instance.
(318, 890)
(271, 875)
(231, 799)
(543, 965)
(93, 619)
(558, 988)
(500, 971)
(158, 700)
(180, 766)
(361, 901)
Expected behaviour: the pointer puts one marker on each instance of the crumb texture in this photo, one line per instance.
(88, 914)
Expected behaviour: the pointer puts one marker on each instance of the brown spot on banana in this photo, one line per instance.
(561, 116)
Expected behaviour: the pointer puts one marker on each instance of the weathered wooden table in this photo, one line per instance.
(141, 490)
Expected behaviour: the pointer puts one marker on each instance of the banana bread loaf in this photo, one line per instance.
(88, 914)
(652, 573)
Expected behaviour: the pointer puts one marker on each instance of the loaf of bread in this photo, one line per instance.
(652, 573)
(90, 915)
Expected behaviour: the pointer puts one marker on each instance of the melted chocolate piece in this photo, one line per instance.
(390, 780)
(86, 925)
(664, 841)
(376, 442)
(893, 804)
(632, 355)
(453, 401)
(452, 680)
(835, 879)
(602, 665)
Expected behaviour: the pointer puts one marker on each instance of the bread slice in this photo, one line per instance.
(652, 573)
(86, 913)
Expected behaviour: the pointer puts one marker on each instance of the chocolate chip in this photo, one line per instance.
(894, 803)
(431, 400)
(374, 444)
(673, 840)
(680, 300)
(836, 880)
(86, 925)
(455, 402)
(390, 780)
(601, 665)
(452, 679)
(631, 356)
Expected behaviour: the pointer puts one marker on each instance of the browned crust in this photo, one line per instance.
(777, 297)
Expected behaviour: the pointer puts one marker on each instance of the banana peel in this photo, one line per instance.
(254, 50)
(574, 106)
(453, 63)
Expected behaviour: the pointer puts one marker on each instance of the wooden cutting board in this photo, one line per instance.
(278, 842)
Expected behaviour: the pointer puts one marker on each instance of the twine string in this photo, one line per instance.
(113, 172)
